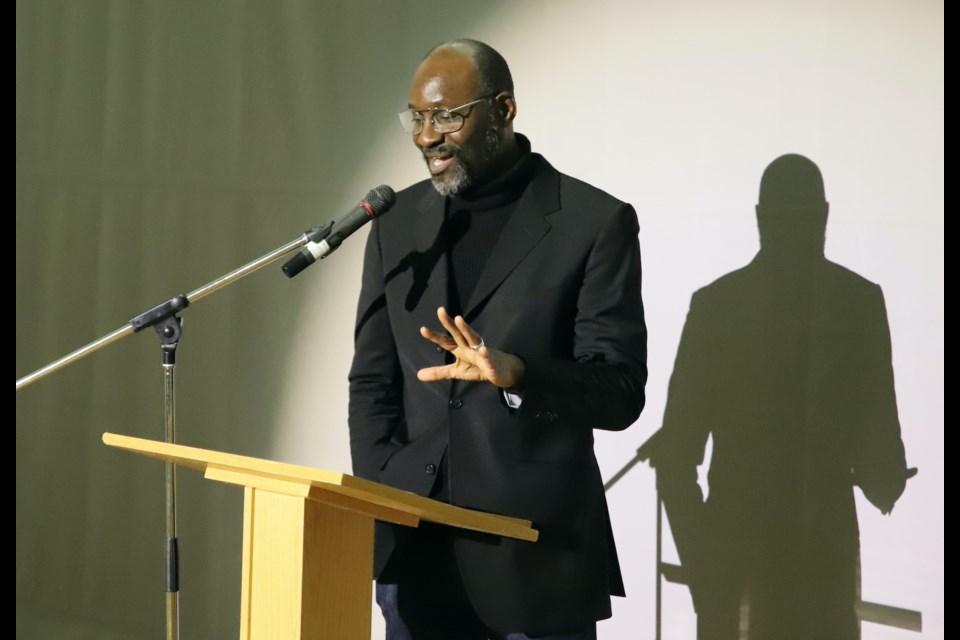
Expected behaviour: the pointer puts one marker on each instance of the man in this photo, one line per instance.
(786, 364)
(531, 282)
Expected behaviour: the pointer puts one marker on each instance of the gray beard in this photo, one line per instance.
(469, 165)
(457, 180)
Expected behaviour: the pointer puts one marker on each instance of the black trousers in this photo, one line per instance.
(422, 596)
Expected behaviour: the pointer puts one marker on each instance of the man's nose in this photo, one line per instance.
(428, 136)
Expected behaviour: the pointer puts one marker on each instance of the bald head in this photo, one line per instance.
(490, 70)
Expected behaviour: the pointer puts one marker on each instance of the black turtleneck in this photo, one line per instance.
(475, 219)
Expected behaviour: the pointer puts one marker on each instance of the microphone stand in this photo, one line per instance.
(165, 321)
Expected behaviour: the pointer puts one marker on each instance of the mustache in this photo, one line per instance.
(442, 150)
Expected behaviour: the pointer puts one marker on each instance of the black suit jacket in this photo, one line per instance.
(561, 289)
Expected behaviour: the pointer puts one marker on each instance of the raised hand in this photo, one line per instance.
(474, 360)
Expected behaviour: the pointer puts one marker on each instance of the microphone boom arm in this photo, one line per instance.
(170, 308)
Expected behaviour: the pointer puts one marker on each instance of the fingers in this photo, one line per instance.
(474, 363)
(458, 328)
(455, 334)
(472, 337)
(471, 364)
(452, 328)
(441, 340)
(434, 374)
(450, 372)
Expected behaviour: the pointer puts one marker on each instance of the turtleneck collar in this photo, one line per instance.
(504, 188)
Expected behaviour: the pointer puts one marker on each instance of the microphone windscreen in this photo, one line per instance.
(380, 199)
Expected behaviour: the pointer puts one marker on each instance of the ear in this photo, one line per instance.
(506, 106)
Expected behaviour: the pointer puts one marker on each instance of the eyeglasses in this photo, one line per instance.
(442, 120)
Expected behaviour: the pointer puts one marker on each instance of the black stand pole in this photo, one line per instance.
(169, 330)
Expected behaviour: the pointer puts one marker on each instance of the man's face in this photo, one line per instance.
(460, 159)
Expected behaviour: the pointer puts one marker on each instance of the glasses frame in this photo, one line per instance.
(418, 129)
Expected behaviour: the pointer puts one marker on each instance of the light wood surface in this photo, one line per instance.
(332, 481)
(306, 490)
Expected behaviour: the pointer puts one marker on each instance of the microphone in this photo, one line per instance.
(325, 240)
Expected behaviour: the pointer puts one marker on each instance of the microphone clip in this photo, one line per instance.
(316, 234)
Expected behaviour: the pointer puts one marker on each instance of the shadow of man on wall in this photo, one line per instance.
(786, 364)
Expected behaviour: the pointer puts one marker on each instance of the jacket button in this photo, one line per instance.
(456, 403)
(431, 469)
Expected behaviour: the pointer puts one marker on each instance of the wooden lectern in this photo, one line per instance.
(308, 538)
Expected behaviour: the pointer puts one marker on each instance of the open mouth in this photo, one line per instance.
(438, 164)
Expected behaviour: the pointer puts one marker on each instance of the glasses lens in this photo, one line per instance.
(447, 121)
(411, 121)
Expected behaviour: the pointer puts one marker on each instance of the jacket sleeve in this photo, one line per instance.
(376, 384)
(603, 386)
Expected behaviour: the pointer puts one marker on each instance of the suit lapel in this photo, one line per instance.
(431, 272)
(426, 230)
(526, 227)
